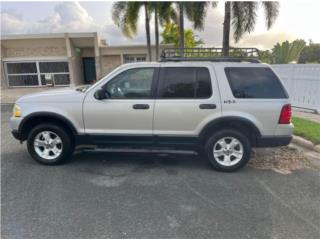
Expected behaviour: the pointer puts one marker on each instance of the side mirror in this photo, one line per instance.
(100, 94)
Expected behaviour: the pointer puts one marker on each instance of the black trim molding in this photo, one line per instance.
(50, 115)
(273, 141)
(137, 141)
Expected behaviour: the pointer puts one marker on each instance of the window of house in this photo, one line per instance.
(249, 82)
(134, 58)
(59, 72)
(185, 83)
(22, 74)
(131, 84)
(33, 73)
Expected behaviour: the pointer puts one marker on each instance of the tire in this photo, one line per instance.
(61, 145)
(224, 148)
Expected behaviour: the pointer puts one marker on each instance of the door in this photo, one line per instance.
(126, 115)
(89, 70)
(187, 99)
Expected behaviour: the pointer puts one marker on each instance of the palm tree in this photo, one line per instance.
(195, 12)
(287, 52)
(163, 14)
(242, 16)
(126, 14)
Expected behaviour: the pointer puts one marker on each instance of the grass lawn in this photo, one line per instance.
(308, 129)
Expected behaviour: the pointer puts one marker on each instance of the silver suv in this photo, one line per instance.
(220, 108)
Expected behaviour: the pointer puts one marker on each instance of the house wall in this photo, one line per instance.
(31, 49)
(134, 50)
(110, 62)
(76, 69)
(34, 48)
(87, 52)
(3, 78)
(61, 47)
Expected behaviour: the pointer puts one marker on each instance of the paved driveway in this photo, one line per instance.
(112, 195)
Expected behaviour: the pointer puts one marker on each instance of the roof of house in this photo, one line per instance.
(48, 35)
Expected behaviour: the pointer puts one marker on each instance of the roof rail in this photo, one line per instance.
(210, 54)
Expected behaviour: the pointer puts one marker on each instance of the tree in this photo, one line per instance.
(266, 56)
(310, 54)
(126, 14)
(242, 16)
(287, 52)
(171, 34)
(163, 13)
(195, 12)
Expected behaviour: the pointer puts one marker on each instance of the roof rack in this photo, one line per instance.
(210, 54)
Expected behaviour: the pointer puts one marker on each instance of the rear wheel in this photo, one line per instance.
(49, 144)
(228, 150)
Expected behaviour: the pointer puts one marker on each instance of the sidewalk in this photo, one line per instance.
(307, 115)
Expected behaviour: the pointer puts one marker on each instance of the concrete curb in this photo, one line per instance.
(305, 143)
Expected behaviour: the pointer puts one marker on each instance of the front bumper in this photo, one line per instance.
(14, 124)
(16, 134)
(273, 141)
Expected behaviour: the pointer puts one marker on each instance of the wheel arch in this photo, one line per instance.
(241, 124)
(34, 119)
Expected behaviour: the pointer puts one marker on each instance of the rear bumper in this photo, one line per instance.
(274, 141)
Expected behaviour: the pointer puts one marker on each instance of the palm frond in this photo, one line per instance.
(125, 15)
(196, 12)
(214, 4)
(118, 10)
(167, 13)
(237, 20)
(271, 11)
(250, 15)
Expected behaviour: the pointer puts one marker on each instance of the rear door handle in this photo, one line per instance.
(207, 106)
(141, 106)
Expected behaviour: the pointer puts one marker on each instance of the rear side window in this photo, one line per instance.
(249, 82)
(185, 83)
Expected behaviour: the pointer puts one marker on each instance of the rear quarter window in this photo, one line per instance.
(249, 82)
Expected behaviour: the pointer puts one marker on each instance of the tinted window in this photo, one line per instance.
(254, 83)
(133, 83)
(185, 82)
(53, 67)
(203, 84)
(18, 68)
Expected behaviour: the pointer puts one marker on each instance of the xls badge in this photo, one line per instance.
(229, 101)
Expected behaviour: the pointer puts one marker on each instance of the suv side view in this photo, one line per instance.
(221, 108)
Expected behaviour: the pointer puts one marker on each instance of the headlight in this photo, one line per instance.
(16, 111)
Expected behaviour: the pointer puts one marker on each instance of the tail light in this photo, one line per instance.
(285, 115)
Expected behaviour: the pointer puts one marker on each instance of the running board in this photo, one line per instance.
(133, 150)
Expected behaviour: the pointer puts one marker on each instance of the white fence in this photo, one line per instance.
(302, 82)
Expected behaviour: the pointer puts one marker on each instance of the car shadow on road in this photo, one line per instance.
(139, 160)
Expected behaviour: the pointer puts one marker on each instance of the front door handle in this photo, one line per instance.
(141, 106)
(207, 106)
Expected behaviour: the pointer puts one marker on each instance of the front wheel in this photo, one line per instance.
(228, 150)
(49, 144)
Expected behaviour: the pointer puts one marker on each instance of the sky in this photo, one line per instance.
(297, 19)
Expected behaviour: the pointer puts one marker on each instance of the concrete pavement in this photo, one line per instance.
(116, 195)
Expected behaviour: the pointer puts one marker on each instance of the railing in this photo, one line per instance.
(302, 81)
(210, 54)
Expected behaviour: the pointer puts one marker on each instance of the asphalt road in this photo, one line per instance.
(113, 195)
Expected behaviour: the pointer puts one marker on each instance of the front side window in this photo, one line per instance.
(249, 82)
(185, 83)
(131, 84)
